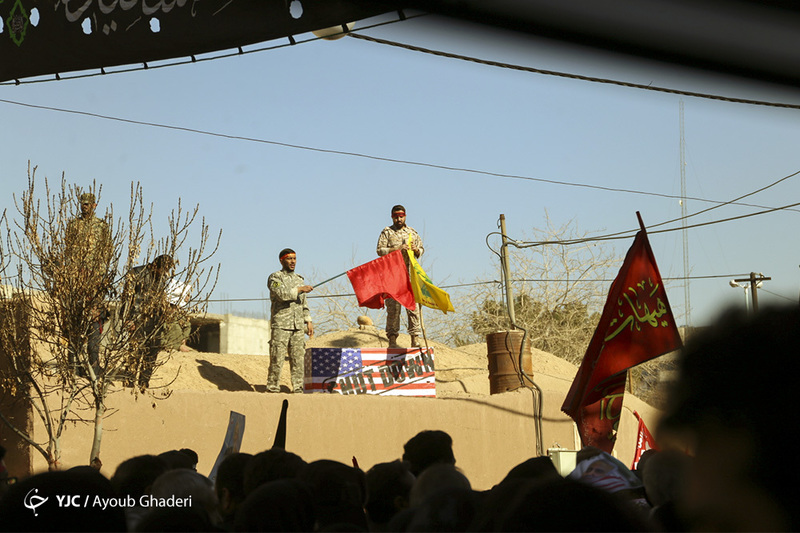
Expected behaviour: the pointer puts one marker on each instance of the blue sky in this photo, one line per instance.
(360, 97)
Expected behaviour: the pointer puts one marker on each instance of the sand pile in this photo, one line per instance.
(460, 371)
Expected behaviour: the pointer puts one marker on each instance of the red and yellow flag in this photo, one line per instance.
(637, 325)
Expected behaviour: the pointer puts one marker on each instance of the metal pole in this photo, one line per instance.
(506, 273)
(754, 280)
(746, 300)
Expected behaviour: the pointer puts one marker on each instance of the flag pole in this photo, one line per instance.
(424, 335)
(330, 279)
(641, 224)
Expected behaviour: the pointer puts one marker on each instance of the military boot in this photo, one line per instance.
(414, 341)
(393, 341)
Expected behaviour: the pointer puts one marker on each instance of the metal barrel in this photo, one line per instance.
(503, 350)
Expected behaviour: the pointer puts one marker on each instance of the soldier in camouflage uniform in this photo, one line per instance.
(146, 310)
(87, 255)
(396, 237)
(290, 321)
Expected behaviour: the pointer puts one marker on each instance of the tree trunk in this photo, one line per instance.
(99, 414)
(54, 456)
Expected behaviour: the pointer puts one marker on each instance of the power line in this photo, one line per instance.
(488, 282)
(778, 295)
(368, 156)
(572, 76)
(730, 202)
(628, 234)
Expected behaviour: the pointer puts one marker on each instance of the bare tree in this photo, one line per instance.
(93, 317)
(335, 307)
(559, 291)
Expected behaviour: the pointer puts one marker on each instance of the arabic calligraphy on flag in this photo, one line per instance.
(634, 309)
(389, 371)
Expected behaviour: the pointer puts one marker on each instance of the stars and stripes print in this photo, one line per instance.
(389, 371)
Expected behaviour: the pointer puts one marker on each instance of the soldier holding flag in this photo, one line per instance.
(399, 236)
(291, 319)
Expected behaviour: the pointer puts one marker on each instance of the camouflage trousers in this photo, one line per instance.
(293, 342)
(175, 333)
(393, 309)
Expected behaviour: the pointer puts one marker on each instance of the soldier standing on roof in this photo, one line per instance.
(88, 250)
(291, 319)
(396, 237)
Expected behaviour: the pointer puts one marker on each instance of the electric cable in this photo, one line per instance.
(572, 76)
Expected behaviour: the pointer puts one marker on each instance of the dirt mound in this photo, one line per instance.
(459, 371)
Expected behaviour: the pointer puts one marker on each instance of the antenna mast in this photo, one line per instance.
(684, 212)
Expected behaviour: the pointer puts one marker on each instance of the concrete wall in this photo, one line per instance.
(491, 434)
(245, 336)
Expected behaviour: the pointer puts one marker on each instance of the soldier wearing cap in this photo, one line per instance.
(291, 320)
(87, 256)
(396, 237)
(88, 239)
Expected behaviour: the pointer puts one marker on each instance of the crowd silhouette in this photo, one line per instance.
(714, 476)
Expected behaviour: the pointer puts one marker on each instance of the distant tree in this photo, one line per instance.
(74, 292)
(334, 307)
(559, 291)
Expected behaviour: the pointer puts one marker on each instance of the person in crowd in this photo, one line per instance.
(270, 465)
(664, 478)
(339, 492)
(549, 504)
(426, 448)
(388, 489)
(727, 403)
(492, 502)
(183, 458)
(441, 499)
(229, 486)
(134, 477)
(192, 456)
(279, 505)
(533, 468)
(603, 471)
(196, 494)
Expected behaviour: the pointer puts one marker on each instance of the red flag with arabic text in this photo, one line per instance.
(644, 441)
(385, 277)
(637, 325)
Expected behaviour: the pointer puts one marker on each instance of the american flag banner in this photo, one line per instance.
(388, 371)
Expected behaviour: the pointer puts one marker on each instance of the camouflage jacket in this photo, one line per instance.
(391, 238)
(145, 293)
(88, 243)
(289, 309)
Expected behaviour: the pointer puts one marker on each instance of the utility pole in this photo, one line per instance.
(506, 273)
(755, 281)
